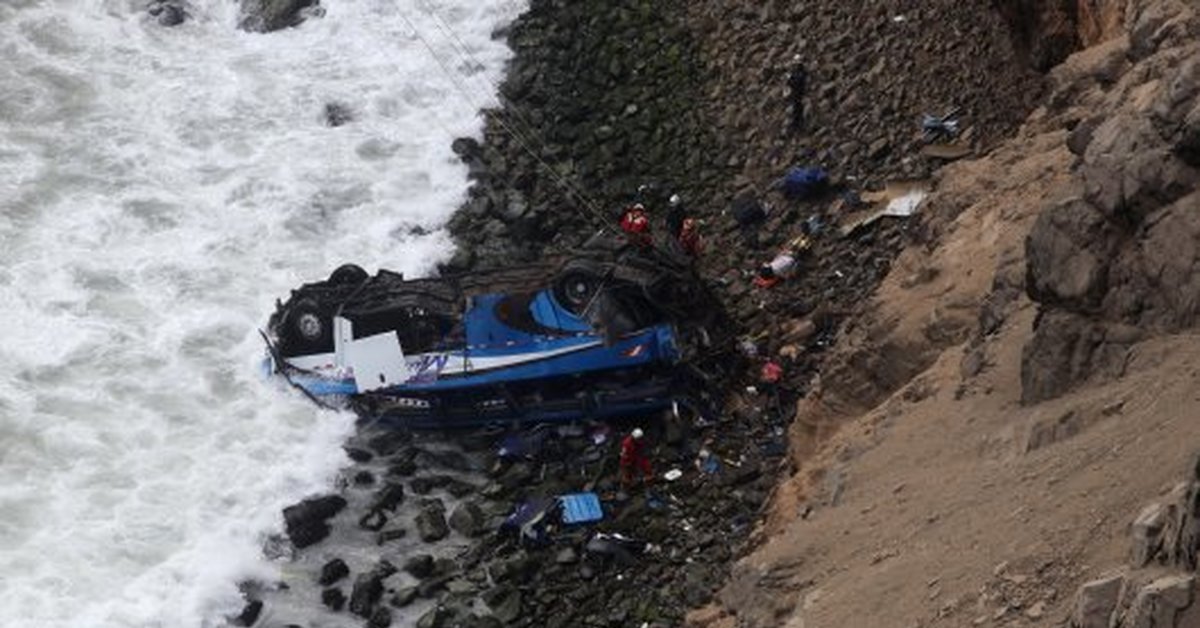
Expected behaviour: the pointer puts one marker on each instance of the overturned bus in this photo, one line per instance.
(610, 331)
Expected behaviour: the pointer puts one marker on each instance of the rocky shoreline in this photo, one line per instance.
(601, 98)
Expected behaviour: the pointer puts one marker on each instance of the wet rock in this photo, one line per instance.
(468, 519)
(364, 478)
(389, 497)
(249, 614)
(380, 618)
(504, 602)
(388, 442)
(306, 521)
(424, 485)
(466, 147)
(373, 521)
(429, 588)
(333, 598)
(168, 13)
(337, 114)
(387, 536)
(404, 597)
(271, 15)
(566, 556)
(419, 566)
(431, 521)
(459, 488)
(436, 617)
(368, 588)
(333, 571)
(517, 568)
(359, 455)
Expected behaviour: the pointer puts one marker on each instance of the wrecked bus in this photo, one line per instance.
(602, 333)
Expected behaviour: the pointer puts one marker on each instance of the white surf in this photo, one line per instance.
(159, 188)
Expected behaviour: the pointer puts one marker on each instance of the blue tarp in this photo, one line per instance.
(581, 508)
(801, 183)
(529, 520)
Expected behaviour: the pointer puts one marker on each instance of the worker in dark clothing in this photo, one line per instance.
(633, 459)
(675, 215)
(797, 84)
(749, 214)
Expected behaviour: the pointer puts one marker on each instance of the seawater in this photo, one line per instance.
(159, 189)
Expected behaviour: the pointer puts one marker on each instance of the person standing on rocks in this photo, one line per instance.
(797, 85)
(748, 215)
(689, 238)
(636, 225)
(676, 213)
(634, 459)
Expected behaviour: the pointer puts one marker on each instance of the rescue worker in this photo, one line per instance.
(769, 379)
(689, 237)
(636, 225)
(633, 458)
(749, 214)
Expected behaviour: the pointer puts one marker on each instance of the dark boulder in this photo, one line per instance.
(419, 566)
(264, 16)
(337, 114)
(305, 521)
(168, 13)
(1068, 349)
(468, 519)
(504, 602)
(390, 496)
(364, 478)
(388, 536)
(333, 571)
(1069, 249)
(431, 521)
(404, 597)
(359, 455)
(373, 521)
(333, 598)
(388, 442)
(249, 614)
(368, 588)
(381, 618)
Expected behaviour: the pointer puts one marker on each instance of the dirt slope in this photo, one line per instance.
(932, 489)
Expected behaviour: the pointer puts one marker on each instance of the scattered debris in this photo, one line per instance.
(581, 508)
(939, 127)
(946, 151)
(898, 198)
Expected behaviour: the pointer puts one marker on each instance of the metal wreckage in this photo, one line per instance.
(611, 330)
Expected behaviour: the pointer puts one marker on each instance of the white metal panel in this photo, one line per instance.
(343, 335)
(377, 361)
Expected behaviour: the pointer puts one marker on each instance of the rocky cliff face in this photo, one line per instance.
(971, 450)
(1117, 263)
